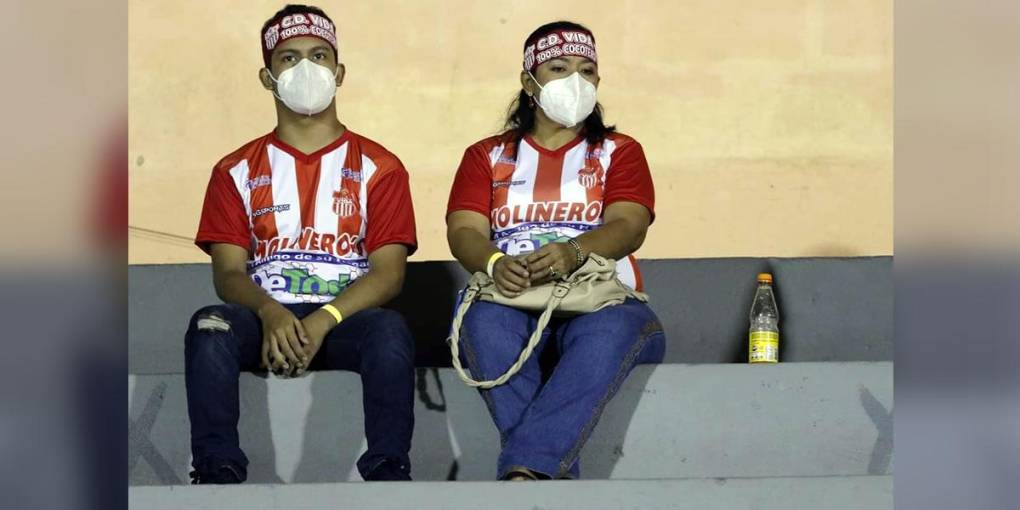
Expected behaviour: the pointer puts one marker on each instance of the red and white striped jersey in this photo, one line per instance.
(308, 221)
(534, 196)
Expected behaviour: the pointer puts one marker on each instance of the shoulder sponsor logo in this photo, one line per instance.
(271, 209)
(508, 183)
(352, 175)
(258, 182)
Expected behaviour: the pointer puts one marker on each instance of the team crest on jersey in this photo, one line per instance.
(588, 177)
(343, 204)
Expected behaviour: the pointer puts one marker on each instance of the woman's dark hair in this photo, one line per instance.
(521, 114)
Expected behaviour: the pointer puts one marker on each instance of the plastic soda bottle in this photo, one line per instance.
(763, 346)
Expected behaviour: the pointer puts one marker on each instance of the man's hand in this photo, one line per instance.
(317, 324)
(554, 258)
(283, 340)
(511, 276)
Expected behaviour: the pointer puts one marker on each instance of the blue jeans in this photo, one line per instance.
(375, 343)
(543, 427)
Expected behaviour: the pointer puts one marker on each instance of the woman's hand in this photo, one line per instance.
(511, 275)
(553, 261)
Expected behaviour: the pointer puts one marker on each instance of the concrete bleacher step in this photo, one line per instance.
(667, 422)
(829, 493)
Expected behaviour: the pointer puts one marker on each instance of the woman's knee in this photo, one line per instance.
(622, 329)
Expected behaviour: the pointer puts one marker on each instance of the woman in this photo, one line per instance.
(528, 206)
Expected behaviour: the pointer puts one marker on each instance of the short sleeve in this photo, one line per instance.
(390, 212)
(224, 219)
(472, 186)
(629, 179)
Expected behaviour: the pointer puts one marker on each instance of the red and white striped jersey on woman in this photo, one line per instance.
(308, 221)
(534, 196)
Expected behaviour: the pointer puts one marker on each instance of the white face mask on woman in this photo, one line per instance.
(567, 101)
(306, 88)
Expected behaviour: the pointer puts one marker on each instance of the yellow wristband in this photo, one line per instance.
(333, 311)
(492, 262)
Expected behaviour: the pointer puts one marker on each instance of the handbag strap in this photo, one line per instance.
(559, 292)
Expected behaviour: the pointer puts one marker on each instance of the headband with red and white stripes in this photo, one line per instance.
(297, 25)
(559, 43)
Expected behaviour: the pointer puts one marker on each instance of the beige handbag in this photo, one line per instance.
(592, 287)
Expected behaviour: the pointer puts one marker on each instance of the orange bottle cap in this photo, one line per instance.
(764, 278)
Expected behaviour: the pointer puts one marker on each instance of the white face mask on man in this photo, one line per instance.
(567, 101)
(306, 88)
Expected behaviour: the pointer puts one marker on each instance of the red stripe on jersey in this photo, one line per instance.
(347, 200)
(307, 174)
(593, 165)
(264, 224)
(548, 178)
(502, 175)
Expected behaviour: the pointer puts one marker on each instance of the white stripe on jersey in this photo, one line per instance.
(285, 192)
(330, 175)
(240, 175)
(571, 189)
(368, 169)
(527, 171)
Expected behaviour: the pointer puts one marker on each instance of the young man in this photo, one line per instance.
(309, 228)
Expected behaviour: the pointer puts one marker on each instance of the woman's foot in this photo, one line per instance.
(520, 475)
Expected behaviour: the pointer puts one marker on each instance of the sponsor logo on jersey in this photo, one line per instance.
(300, 281)
(574, 212)
(273, 208)
(311, 240)
(258, 182)
(343, 204)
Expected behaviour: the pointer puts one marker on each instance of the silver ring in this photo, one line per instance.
(554, 273)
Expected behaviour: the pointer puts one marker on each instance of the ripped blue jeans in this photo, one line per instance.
(223, 340)
(542, 427)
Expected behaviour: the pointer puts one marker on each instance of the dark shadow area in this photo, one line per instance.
(433, 456)
(427, 301)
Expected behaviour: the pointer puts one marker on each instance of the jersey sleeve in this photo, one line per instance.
(472, 186)
(224, 219)
(390, 212)
(629, 179)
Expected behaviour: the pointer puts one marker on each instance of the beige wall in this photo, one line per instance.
(768, 125)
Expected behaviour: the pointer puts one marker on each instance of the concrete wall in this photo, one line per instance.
(832, 309)
(768, 126)
(668, 421)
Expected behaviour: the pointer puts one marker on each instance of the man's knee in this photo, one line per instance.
(209, 332)
(388, 336)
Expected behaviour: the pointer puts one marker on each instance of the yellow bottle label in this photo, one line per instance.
(763, 347)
